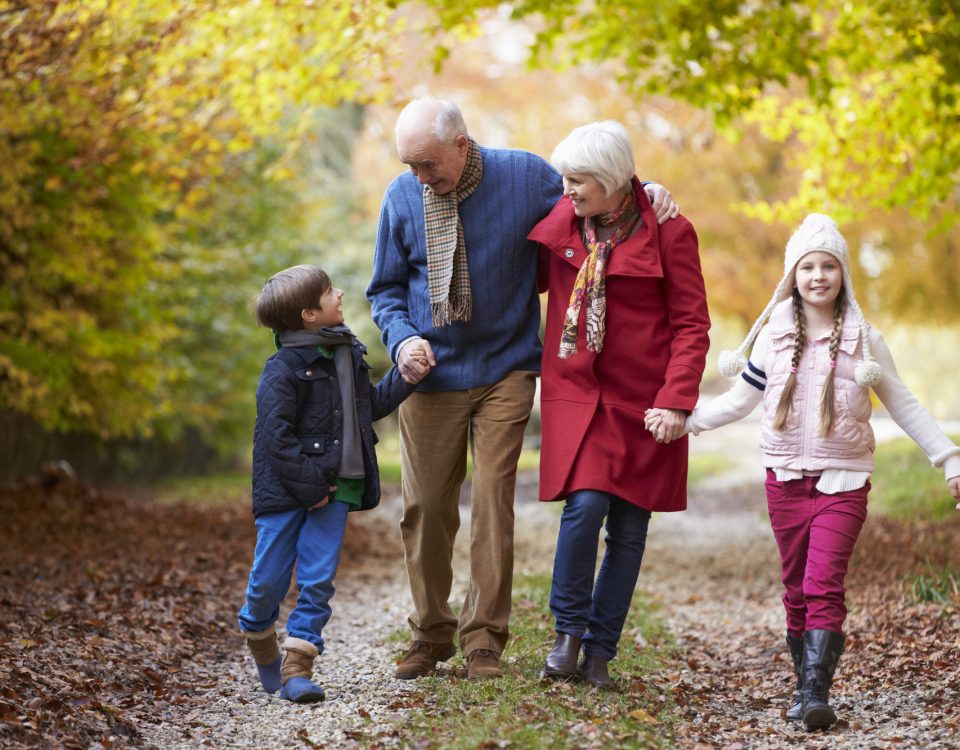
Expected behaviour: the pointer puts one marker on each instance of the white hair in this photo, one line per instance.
(447, 122)
(600, 149)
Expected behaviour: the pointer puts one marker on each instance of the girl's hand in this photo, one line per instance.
(666, 425)
(954, 484)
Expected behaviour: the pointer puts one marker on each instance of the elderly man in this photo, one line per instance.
(455, 274)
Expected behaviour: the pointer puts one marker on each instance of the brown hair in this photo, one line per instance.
(287, 293)
(827, 406)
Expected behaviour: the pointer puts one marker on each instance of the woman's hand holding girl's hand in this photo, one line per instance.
(665, 424)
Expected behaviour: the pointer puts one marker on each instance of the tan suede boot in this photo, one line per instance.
(266, 653)
(296, 672)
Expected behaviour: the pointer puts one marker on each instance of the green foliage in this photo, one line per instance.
(152, 180)
(520, 710)
(905, 486)
(864, 95)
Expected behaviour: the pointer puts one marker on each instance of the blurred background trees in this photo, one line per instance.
(161, 159)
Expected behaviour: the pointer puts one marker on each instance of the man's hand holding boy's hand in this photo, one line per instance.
(415, 360)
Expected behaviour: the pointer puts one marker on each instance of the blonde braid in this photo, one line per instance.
(785, 405)
(827, 400)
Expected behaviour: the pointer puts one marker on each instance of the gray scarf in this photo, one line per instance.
(339, 338)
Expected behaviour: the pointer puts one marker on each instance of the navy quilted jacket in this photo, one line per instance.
(299, 429)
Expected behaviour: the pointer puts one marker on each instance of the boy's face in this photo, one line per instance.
(327, 313)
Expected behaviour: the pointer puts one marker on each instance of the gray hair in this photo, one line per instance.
(288, 293)
(447, 123)
(600, 149)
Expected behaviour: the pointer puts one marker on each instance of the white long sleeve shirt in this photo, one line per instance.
(903, 407)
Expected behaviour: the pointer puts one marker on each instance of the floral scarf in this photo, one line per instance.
(591, 284)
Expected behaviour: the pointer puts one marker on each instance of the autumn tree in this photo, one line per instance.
(864, 94)
(151, 179)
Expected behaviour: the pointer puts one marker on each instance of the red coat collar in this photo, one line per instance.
(560, 233)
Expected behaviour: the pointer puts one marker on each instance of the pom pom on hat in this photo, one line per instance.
(867, 374)
(731, 363)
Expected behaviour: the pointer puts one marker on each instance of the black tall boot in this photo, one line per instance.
(795, 712)
(821, 652)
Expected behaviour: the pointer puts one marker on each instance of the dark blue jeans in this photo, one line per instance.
(598, 618)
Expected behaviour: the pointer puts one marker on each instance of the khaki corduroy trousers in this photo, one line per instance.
(436, 429)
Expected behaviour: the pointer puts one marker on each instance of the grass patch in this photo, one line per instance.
(705, 465)
(940, 586)
(905, 486)
(210, 489)
(521, 711)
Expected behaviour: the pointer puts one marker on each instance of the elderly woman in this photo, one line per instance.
(626, 333)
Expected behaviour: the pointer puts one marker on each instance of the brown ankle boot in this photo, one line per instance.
(561, 662)
(421, 658)
(593, 669)
(483, 663)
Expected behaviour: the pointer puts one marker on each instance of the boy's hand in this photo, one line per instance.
(415, 360)
(325, 501)
(954, 484)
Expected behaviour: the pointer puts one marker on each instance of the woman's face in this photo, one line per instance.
(819, 279)
(588, 196)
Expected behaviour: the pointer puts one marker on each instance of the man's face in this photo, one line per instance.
(438, 165)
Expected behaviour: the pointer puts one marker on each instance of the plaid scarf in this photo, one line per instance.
(448, 275)
(591, 283)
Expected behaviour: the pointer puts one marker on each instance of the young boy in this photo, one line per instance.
(313, 461)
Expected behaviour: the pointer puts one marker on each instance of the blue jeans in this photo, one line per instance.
(598, 618)
(309, 539)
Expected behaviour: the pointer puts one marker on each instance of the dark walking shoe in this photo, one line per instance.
(483, 663)
(561, 662)
(795, 712)
(593, 669)
(421, 658)
(821, 653)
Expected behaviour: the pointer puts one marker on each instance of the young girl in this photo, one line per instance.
(812, 367)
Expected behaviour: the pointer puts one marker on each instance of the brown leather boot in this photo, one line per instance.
(593, 669)
(421, 658)
(482, 663)
(561, 662)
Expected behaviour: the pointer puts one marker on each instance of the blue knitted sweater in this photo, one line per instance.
(517, 190)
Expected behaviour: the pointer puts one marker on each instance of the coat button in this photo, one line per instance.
(316, 445)
(309, 373)
(568, 252)
(336, 442)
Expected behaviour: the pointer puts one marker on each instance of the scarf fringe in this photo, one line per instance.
(447, 311)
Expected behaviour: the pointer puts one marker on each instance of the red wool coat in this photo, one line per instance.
(592, 405)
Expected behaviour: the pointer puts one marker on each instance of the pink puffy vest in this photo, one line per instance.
(799, 446)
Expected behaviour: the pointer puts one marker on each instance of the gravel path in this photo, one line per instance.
(714, 570)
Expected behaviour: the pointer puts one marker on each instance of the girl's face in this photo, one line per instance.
(327, 313)
(588, 196)
(819, 279)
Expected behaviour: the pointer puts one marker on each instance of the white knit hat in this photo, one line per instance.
(817, 232)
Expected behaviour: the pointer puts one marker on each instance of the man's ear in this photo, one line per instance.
(462, 143)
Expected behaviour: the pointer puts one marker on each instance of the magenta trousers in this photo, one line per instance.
(815, 534)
